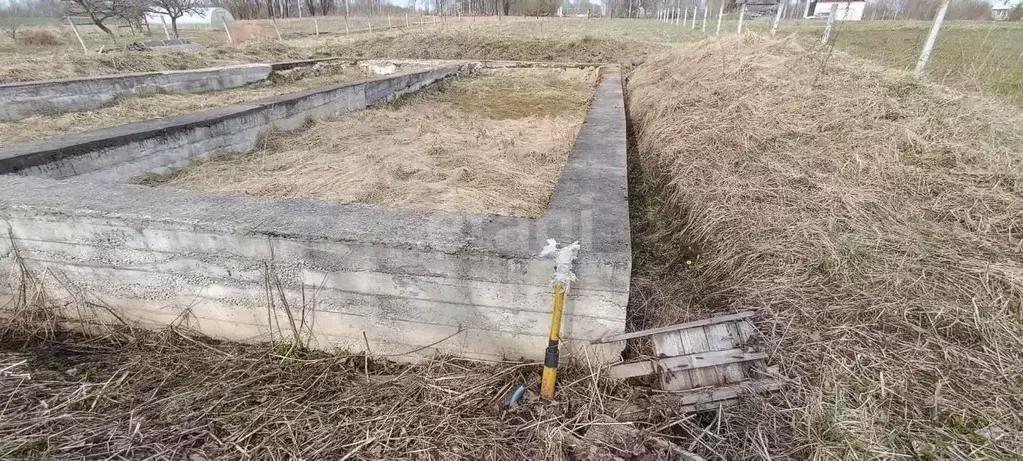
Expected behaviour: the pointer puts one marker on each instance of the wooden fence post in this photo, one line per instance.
(742, 15)
(721, 14)
(830, 24)
(165, 32)
(925, 54)
(777, 19)
(79, 37)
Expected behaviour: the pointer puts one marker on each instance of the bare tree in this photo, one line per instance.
(175, 9)
(100, 11)
(10, 25)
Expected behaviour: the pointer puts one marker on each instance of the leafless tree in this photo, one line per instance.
(10, 24)
(100, 11)
(175, 9)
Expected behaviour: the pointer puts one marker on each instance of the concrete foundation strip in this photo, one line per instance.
(468, 284)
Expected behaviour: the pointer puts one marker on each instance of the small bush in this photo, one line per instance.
(39, 36)
(252, 33)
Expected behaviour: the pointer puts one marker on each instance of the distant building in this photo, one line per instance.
(204, 17)
(1000, 10)
(760, 8)
(847, 11)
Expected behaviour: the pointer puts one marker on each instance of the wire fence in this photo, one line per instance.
(978, 54)
(26, 32)
(982, 55)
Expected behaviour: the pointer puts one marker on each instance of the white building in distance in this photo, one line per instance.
(205, 17)
(847, 11)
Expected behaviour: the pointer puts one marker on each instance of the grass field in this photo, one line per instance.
(985, 56)
(969, 55)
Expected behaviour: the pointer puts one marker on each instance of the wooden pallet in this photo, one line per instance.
(719, 351)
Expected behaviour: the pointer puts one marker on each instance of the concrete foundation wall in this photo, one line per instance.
(413, 282)
(121, 152)
(20, 100)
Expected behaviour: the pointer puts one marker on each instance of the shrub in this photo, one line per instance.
(39, 36)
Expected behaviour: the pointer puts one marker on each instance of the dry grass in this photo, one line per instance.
(483, 144)
(170, 395)
(39, 36)
(134, 394)
(249, 32)
(134, 108)
(872, 218)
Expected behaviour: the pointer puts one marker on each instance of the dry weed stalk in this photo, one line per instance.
(170, 395)
(874, 219)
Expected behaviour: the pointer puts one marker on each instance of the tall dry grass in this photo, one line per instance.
(873, 219)
(250, 32)
(127, 393)
(40, 36)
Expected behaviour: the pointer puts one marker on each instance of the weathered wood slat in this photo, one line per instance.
(716, 395)
(676, 327)
(670, 345)
(727, 336)
(685, 362)
(695, 342)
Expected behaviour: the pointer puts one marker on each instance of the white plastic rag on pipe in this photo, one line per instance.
(563, 258)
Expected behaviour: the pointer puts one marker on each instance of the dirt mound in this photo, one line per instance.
(873, 218)
(469, 45)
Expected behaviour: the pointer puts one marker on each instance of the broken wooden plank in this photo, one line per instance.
(715, 395)
(676, 327)
(685, 362)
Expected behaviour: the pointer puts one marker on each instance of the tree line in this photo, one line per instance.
(103, 13)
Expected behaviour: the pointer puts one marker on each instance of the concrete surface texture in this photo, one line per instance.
(20, 100)
(411, 282)
(121, 152)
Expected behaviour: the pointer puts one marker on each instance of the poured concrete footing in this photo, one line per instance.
(411, 282)
(121, 152)
(20, 100)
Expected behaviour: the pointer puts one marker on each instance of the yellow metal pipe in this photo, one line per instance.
(550, 362)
